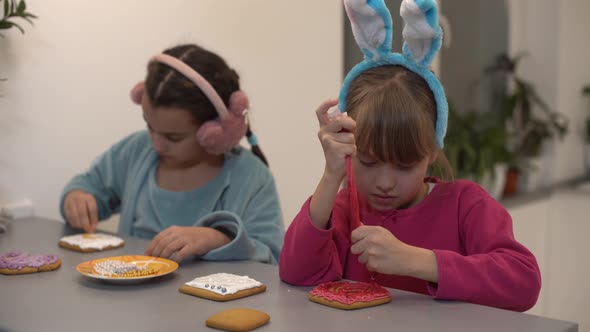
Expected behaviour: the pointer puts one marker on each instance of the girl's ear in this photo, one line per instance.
(371, 26)
(137, 92)
(433, 157)
(422, 33)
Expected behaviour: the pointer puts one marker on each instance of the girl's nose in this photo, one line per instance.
(385, 179)
(158, 143)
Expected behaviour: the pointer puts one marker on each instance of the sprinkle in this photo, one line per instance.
(121, 269)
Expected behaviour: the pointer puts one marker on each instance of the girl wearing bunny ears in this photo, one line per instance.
(393, 224)
(185, 183)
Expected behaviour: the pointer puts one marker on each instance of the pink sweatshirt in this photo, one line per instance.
(478, 259)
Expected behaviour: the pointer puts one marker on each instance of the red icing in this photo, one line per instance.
(352, 196)
(350, 292)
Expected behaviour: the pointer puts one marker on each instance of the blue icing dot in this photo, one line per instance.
(223, 290)
(206, 285)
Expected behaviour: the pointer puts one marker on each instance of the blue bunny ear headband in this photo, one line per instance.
(372, 29)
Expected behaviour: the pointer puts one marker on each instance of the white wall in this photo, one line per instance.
(554, 34)
(66, 98)
(574, 73)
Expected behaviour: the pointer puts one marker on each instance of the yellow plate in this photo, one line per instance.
(160, 266)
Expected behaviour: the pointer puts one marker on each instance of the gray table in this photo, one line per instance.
(64, 300)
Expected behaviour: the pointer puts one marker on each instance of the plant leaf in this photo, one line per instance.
(6, 9)
(5, 24)
(22, 6)
(18, 27)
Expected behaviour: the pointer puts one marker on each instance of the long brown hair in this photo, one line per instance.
(395, 113)
(167, 87)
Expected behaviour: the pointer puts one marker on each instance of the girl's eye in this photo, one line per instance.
(405, 167)
(368, 162)
(173, 139)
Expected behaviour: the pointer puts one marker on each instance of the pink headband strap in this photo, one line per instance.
(196, 78)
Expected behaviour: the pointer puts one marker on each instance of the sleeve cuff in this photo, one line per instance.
(438, 290)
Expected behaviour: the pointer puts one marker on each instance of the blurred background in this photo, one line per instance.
(515, 72)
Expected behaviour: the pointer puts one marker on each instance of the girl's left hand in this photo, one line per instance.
(380, 250)
(178, 242)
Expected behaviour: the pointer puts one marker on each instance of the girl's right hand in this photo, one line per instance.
(337, 138)
(81, 210)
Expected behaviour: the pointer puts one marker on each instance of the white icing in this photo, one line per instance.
(231, 282)
(92, 241)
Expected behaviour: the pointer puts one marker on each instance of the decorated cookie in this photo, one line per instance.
(23, 263)
(222, 287)
(119, 269)
(238, 319)
(349, 295)
(91, 242)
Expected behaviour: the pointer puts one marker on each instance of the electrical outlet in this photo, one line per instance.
(17, 210)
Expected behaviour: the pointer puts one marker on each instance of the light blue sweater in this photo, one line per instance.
(242, 200)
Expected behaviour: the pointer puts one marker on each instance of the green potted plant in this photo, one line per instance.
(14, 9)
(476, 146)
(529, 120)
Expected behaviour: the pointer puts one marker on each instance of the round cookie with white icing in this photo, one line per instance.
(222, 287)
(91, 242)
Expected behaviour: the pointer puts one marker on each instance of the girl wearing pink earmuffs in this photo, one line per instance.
(185, 183)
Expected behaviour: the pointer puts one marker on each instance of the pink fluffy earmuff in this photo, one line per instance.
(224, 132)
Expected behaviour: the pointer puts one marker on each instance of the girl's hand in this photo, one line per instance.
(382, 252)
(81, 210)
(177, 242)
(337, 138)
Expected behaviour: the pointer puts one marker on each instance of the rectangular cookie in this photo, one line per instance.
(222, 287)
